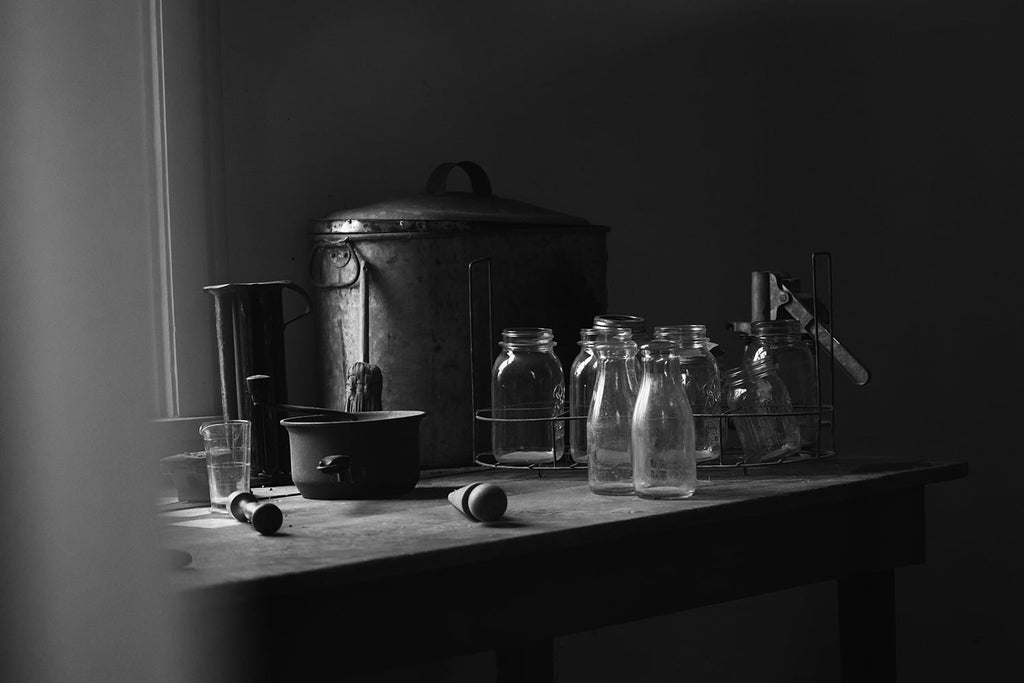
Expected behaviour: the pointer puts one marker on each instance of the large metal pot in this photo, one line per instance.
(393, 288)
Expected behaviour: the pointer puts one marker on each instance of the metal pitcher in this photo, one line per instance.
(249, 324)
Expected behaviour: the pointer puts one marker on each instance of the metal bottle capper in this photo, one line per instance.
(392, 290)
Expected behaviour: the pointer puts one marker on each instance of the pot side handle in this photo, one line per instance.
(338, 465)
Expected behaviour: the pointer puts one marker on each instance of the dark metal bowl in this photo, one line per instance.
(377, 455)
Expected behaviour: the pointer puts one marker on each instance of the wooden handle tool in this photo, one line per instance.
(480, 501)
(265, 518)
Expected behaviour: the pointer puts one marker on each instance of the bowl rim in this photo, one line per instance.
(366, 417)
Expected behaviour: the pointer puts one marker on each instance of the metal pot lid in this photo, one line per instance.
(437, 210)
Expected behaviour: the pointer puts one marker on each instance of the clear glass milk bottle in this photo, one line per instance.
(759, 405)
(527, 391)
(780, 343)
(636, 325)
(610, 467)
(662, 434)
(700, 376)
(582, 378)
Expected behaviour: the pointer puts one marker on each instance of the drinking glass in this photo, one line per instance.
(228, 455)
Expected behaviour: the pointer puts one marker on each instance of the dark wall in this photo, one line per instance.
(715, 138)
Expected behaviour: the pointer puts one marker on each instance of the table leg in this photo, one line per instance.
(867, 626)
(532, 662)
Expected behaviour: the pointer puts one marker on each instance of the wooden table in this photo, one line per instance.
(356, 586)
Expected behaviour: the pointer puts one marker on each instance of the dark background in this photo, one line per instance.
(715, 138)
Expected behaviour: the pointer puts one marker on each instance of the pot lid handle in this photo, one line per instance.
(438, 181)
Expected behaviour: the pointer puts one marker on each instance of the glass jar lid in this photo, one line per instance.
(683, 332)
(516, 337)
(775, 328)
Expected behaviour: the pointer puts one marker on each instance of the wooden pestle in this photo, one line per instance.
(266, 518)
(480, 501)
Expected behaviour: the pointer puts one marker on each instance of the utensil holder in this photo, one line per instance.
(731, 458)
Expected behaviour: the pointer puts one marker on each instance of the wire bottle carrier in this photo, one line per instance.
(732, 457)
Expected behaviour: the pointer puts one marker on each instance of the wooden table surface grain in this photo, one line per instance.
(444, 584)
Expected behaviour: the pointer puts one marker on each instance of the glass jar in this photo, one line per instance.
(781, 344)
(634, 323)
(662, 433)
(527, 390)
(700, 376)
(582, 376)
(610, 467)
(756, 389)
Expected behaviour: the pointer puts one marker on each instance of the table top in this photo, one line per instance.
(345, 542)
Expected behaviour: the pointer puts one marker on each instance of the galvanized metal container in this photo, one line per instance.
(392, 285)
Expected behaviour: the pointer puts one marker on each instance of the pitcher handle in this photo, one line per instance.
(305, 297)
